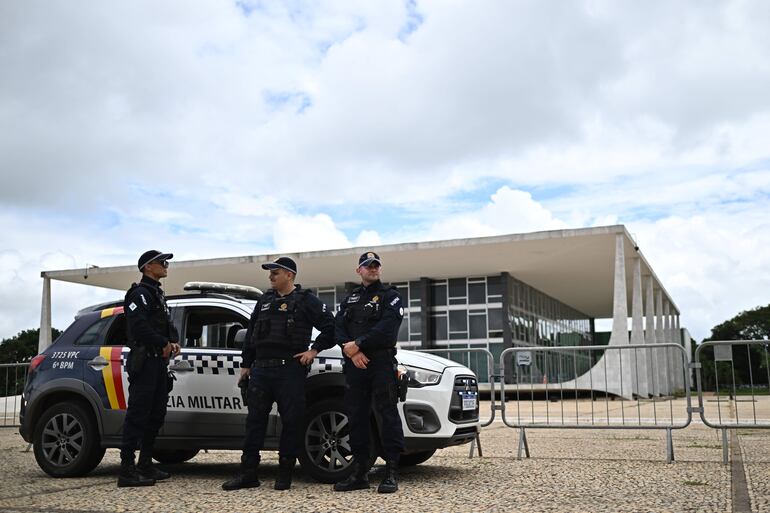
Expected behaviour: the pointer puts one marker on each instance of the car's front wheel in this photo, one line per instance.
(66, 441)
(326, 454)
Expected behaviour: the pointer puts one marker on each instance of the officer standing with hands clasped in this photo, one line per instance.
(275, 357)
(152, 338)
(366, 327)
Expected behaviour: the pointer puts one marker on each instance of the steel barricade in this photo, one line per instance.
(733, 390)
(489, 365)
(611, 374)
(12, 378)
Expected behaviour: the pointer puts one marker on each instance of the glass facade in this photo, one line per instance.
(468, 312)
(540, 320)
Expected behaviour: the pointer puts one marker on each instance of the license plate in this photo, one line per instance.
(469, 401)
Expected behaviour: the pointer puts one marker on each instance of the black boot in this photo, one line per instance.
(145, 467)
(130, 477)
(246, 478)
(285, 469)
(358, 480)
(389, 483)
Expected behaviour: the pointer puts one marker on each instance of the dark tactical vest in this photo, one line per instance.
(364, 310)
(281, 330)
(158, 312)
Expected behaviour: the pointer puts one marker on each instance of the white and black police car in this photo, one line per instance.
(76, 392)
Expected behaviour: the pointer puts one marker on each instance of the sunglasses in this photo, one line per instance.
(163, 263)
(373, 265)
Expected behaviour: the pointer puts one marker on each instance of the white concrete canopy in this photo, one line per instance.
(576, 267)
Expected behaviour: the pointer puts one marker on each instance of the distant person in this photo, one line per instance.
(152, 338)
(367, 329)
(275, 360)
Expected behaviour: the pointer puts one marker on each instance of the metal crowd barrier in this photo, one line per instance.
(482, 363)
(596, 387)
(12, 377)
(740, 399)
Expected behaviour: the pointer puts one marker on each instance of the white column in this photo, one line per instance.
(670, 363)
(619, 370)
(639, 363)
(660, 338)
(680, 366)
(44, 339)
(649, 337)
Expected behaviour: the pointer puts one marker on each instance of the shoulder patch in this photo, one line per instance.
(395, 300)
(132, 306)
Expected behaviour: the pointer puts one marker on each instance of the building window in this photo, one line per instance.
(477, 321)
(439, 325)
(438, 295)
(477, 292)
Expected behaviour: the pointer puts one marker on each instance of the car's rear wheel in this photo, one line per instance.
(178, 456)
(66, 441)
(415, 458)
(326, 454)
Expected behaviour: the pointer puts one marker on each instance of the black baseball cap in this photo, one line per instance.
(151, 256)
(282, 263)
(367, 258)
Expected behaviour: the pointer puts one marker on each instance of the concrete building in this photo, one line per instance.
(534, 289)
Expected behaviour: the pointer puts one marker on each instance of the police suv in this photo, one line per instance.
(76, 393)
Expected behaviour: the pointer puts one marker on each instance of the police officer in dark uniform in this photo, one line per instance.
(367, 329)
(275, 357)
(152, 338)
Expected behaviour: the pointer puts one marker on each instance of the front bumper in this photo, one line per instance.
(432, 416)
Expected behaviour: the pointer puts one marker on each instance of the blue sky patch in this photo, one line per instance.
(413, 20)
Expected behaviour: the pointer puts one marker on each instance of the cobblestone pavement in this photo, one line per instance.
(570, 470)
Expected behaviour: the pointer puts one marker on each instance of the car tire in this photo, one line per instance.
(66, 442)
(326, 453)
(415, 458)
(171, 457)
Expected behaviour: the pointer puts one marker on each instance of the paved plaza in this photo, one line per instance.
(569, 470)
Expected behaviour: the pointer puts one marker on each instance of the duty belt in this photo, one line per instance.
(274, 362)
(380, 353)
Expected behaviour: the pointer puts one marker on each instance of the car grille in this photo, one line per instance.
(456, 413)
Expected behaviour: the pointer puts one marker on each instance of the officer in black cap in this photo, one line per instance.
(275, 358)
(152, 338)
(367, 329)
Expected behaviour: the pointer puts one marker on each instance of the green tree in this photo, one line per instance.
(23, 346)
(750, 363)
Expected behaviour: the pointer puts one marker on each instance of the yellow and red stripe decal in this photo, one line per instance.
(111, 311)
(113, 378)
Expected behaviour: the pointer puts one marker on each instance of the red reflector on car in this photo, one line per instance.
(35, 363)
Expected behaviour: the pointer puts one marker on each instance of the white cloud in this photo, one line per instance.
(508, 211)
(303, 233)
(200, 129)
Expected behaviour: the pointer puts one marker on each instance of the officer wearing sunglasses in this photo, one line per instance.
(152, 338)
(366, 327)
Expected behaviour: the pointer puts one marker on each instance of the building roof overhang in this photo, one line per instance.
(574, 266)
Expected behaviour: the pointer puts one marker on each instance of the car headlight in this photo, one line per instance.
(422, 377)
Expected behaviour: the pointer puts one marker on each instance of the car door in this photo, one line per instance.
(206, 401)
(103, 349)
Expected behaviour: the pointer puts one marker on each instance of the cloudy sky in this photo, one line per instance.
(225, 128)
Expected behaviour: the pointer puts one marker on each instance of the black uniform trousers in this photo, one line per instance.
(147, 398)
(285, 385)
(374, 385)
